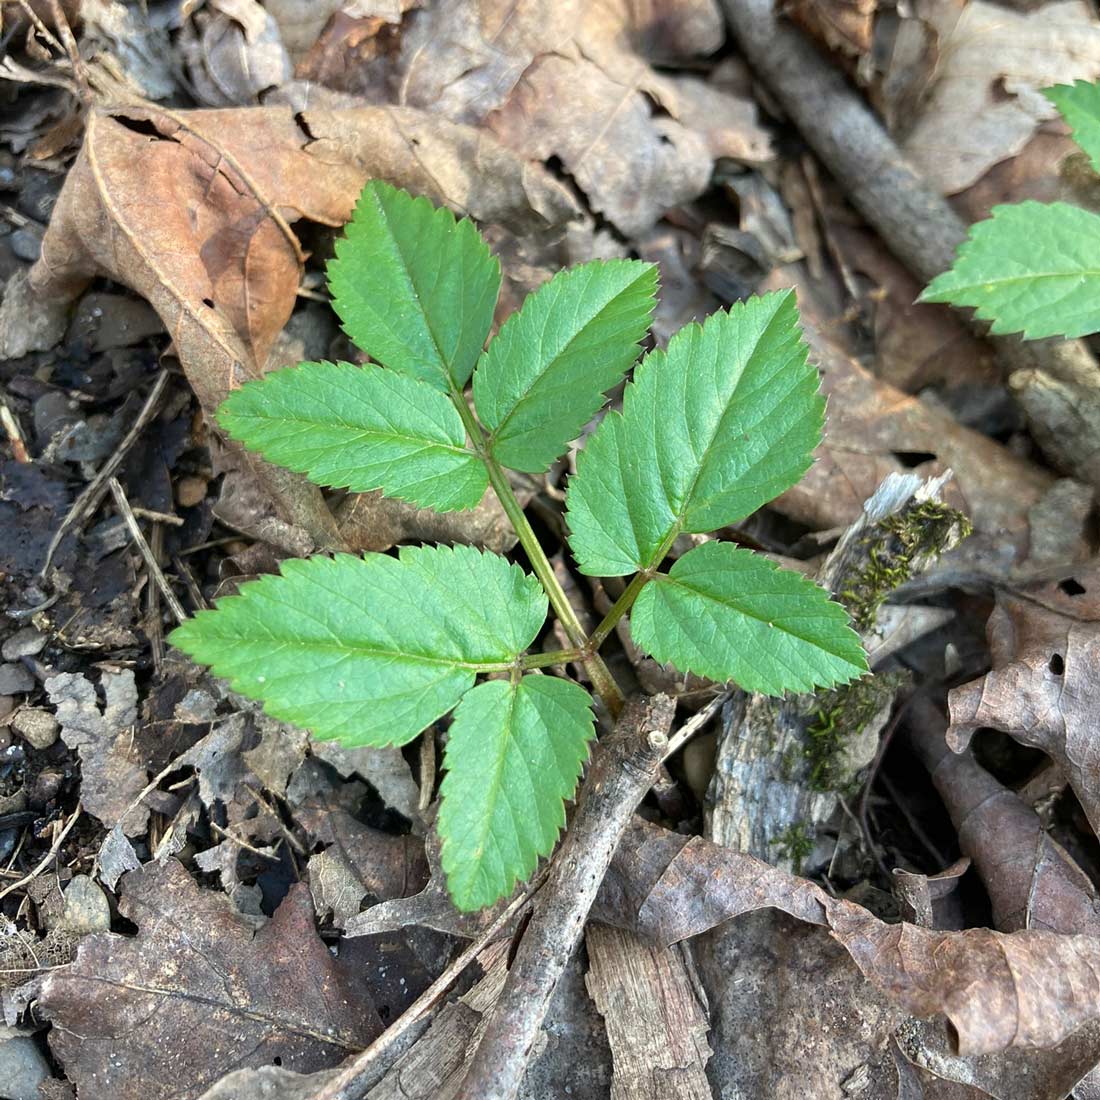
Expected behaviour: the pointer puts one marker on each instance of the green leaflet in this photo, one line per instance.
(718, 425)
(730, 614)
(414, 289)
(369, 650)
(1032, 268)
(514, 754)
(1080, 106)
(546, 372)
(359, 428)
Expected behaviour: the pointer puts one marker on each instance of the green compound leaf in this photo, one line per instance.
(1032, 268)
(514, 754)
(359, 428)
(413, 287)
(1079, 104)
(546, 372)
(730, 614)
(722, 422)
(369, 650)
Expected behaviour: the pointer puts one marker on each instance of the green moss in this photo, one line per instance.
(795, 843)
(842, 714)
(895, 548)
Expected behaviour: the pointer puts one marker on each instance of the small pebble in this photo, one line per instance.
(27, 642)
(26, 244)
(36, 726)
(22, 1067)
(86, 907)
(15, 680)
(45, 788)
(7, 705)
(190, 491)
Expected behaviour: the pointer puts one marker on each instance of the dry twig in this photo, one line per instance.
(624, 767)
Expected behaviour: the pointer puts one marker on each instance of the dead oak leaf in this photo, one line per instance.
(999, 991)
(1044, 687)
(198, 992)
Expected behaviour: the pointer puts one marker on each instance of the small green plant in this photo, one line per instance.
(371, 650)
(1034, 267)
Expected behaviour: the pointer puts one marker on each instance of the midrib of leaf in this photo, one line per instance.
(365, 434)
(327, 1037)
(701, 457)
(709, 598)
(368, 651)
(1034, 276)
(498, 771)
(548, 366)
(416, 294)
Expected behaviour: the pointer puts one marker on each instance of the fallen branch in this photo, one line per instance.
(625, 766)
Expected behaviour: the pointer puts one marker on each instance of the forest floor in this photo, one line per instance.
(885, 891)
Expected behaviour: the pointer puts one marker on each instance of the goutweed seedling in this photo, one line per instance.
(370, 650)
(1033, 267)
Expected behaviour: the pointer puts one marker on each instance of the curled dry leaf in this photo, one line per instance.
(1031, 880)
(192, 210)
(998, 991)
(233, 51)
(846, 26)
(199, 991)
(1044, 689)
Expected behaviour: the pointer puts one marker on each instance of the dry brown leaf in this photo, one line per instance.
(301, 21)
(1031, 880)
(843, 25)
(631, 166)
(199, 991)
(112, 773)
(1028, 989)
(573, 81)
(1044, 689)
(985, 103)
(234, 52)
(359, 863)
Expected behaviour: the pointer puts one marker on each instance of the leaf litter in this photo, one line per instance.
(224, 145)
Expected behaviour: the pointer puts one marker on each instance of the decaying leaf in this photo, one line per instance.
(985, 102)
(234, 52)
(573, 81)
(1031, 880)
(113, 775)
(843, 25)
(199, 991)
(359, 863)
(1044, 689)
(998, 991)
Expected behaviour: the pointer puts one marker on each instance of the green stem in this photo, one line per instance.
(618, 609)
(598, 672)
(552, 657)
(626, 601)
